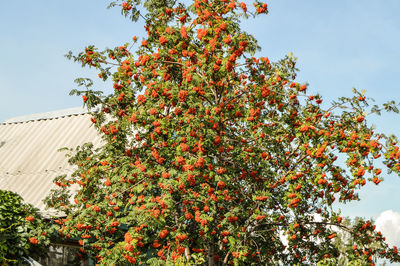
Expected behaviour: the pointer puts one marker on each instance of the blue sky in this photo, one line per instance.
(339, 45)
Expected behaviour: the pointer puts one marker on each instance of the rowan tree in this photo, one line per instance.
(213, 156)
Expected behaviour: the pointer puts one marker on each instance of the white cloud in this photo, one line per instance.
(388, 222)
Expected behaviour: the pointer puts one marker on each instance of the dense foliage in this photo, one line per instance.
(213, 156)
(21, 230)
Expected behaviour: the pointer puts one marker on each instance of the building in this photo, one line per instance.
(30, 160)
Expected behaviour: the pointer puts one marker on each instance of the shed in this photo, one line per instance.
(29, 156)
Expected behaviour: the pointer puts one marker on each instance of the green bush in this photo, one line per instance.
(22, 232)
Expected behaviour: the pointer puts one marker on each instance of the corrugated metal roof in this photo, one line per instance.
(29, 156)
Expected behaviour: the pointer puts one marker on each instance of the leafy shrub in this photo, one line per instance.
(21, 230)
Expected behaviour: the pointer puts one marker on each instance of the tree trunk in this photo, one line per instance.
(211, 254)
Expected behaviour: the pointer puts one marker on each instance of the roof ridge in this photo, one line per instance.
(47, 115)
